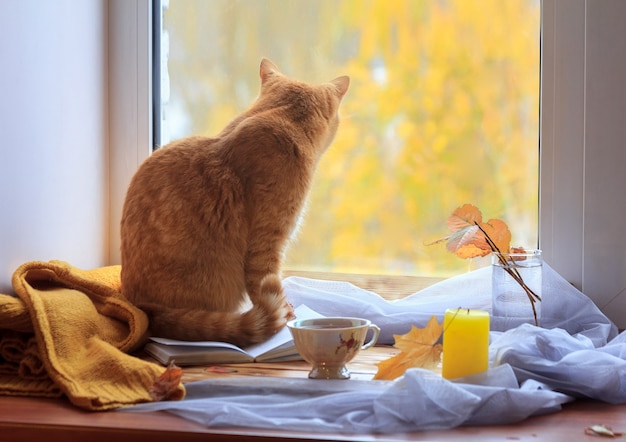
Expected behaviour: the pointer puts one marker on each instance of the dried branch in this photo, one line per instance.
(510, 267)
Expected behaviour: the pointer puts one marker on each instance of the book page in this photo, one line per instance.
(205, 344)
(195, 355)
(281, 340)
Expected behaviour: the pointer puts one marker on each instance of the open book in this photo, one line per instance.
(279, 347)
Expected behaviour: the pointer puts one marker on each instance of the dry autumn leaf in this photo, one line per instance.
(419, 349)
(471, 245)
(166, 386)
(463, 223)
(602, 431)
(466, 239)
(471, 237)
(499, 233)
(462, 238)
(465, 216)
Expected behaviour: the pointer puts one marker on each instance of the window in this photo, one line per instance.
(424, 137)
(443, 109)
(581, 136)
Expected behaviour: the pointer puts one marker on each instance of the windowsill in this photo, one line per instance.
(389, 287)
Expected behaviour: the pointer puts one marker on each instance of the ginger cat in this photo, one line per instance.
(206, 220)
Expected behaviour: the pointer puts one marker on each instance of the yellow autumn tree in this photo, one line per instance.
(442, 110)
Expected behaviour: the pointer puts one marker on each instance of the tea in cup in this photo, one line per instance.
(329, 343)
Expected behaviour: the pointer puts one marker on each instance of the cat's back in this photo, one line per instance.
(183, 187)
(176, 170)
(179, 157)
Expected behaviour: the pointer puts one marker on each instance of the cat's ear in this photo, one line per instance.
(341, 83)
(267, 69)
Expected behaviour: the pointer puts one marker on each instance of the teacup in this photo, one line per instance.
(329, 343)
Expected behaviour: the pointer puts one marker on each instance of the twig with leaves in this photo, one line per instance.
(510, 267)
(471, 238)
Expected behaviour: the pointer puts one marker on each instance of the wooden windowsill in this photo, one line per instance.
(25, 419)
(388, 286)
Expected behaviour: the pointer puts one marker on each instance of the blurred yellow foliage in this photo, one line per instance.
(442, 108)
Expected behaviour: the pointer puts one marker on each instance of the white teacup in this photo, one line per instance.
(329, 343)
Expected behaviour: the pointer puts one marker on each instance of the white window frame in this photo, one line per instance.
(573, 163)
(582, 157)
(130, 102)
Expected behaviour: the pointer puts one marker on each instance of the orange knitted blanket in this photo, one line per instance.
(69, 331)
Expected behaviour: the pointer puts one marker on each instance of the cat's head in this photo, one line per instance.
(313, 106)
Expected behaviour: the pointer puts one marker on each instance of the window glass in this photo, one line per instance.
(442, 110)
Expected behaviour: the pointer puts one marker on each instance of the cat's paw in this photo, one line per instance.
(276, 312)
(291, 314)
(284, 315)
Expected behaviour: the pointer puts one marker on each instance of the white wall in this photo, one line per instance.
(53, 133)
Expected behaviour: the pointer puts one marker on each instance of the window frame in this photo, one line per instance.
(582, 132)
(561, 138)
(130, 102)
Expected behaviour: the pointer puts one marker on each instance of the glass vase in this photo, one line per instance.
(516, 287)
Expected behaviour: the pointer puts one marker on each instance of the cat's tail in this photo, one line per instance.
(268, 315)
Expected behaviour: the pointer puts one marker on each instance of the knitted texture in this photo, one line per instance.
(70, 331)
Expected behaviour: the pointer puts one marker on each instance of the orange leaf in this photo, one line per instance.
(499, 233)
(167, 385)
(465, 216)
(393, 367)
(461, 238)
(468, 243)
(419, 349)
(471, 237)
(471, 251)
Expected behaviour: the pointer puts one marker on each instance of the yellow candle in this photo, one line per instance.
(465, 342)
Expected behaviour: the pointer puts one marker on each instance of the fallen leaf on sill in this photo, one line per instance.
(419, 348)
(166, 385)
(602, 431)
